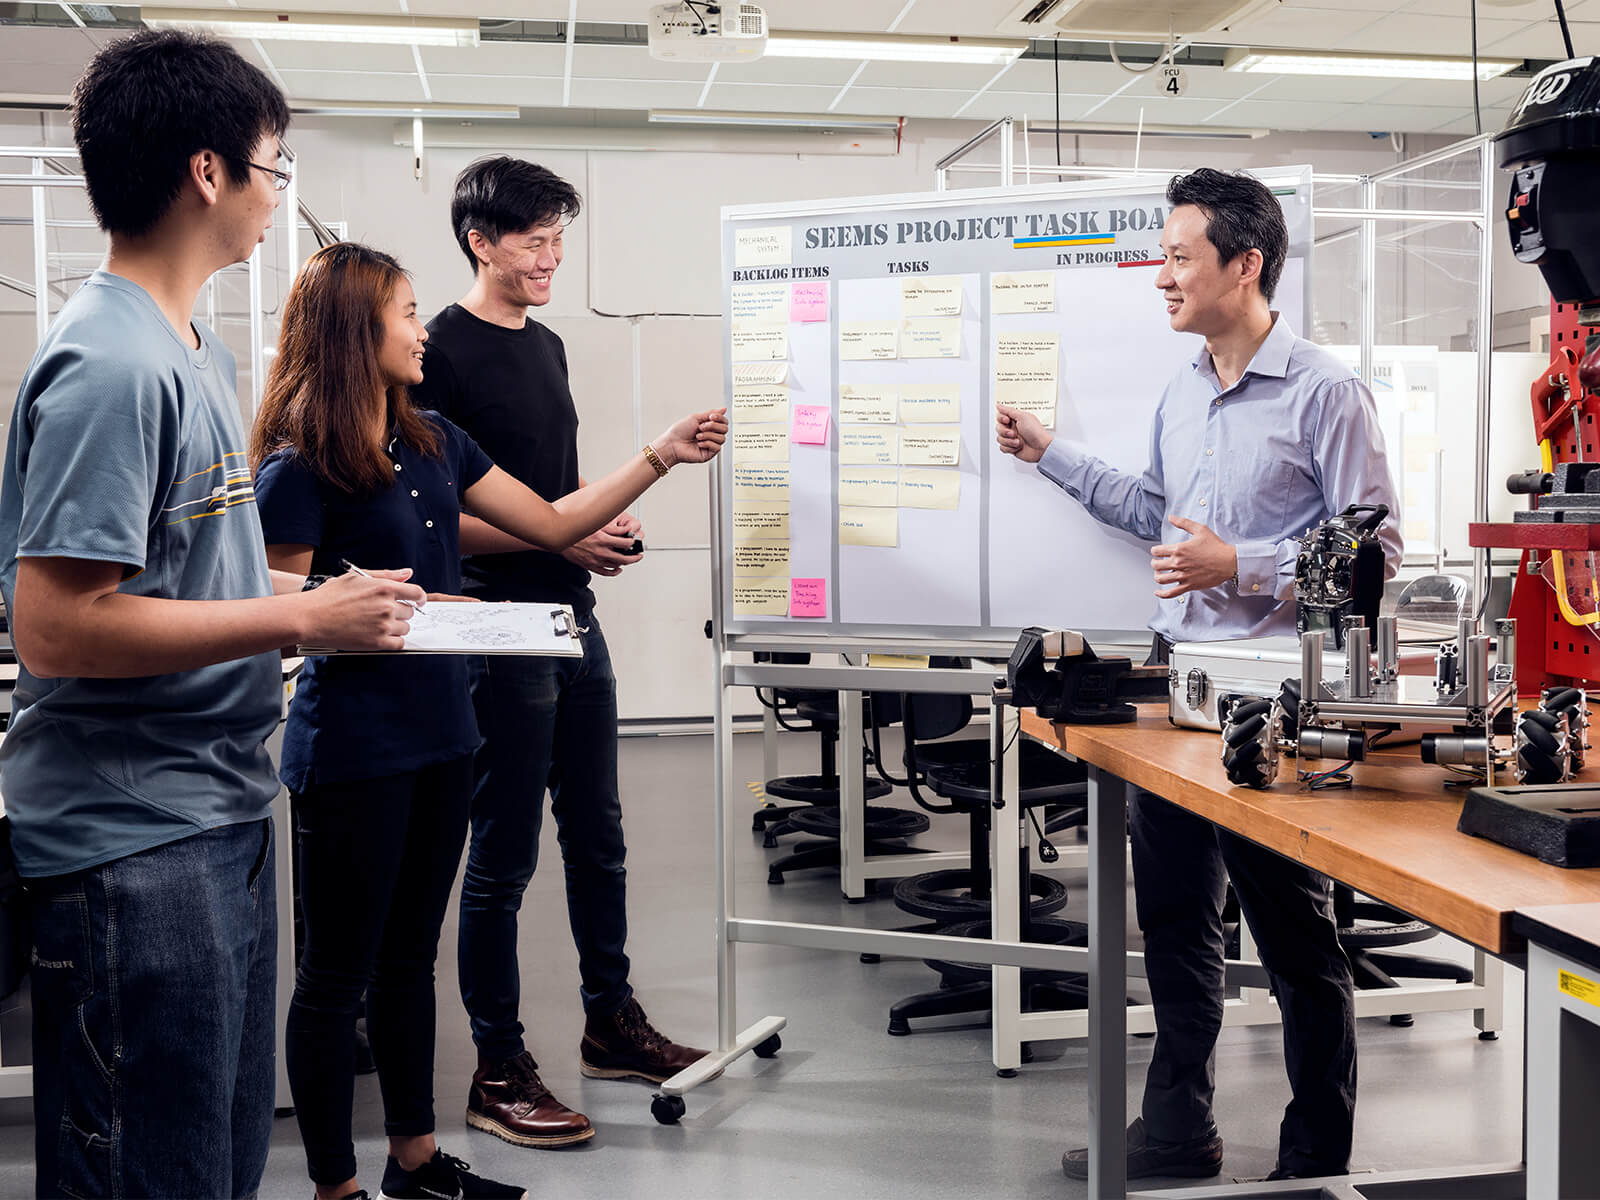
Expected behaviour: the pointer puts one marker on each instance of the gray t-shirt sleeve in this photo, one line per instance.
(102, 442)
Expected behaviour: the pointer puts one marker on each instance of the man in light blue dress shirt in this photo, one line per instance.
(1261, 437)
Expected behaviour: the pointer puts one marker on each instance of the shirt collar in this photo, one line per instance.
(1271, 357)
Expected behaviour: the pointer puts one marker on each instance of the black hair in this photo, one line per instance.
(148, 103)
(502, 195)
(1241, 214)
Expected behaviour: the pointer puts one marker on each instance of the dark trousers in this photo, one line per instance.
(546, 722)
(153, 1020)
(1181, 866)
(377, 861)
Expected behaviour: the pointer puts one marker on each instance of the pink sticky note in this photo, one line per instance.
(808, 302)
(808, 597)
(810, 425)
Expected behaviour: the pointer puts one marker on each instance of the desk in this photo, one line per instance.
(1392, 837)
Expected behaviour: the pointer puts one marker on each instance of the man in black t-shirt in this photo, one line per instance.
(545, 721)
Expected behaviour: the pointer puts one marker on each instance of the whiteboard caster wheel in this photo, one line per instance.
(668, 1110)
(769, 1048)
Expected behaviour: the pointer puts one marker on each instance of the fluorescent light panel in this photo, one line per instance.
(318, 27)
(983, 51)
(1366, 66)
(660, 116)
(440, 112)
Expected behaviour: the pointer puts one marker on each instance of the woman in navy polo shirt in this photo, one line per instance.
(378, 749)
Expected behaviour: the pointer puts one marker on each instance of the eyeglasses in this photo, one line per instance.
(280, 179)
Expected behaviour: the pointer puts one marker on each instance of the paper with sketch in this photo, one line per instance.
(930, 296)
(458, 627)
(1025, 373)
(1023, 292)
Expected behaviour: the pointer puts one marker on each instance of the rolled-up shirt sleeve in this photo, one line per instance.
(1135, 503)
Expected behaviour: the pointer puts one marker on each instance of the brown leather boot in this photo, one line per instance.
(511, 1102)
(624, 1045)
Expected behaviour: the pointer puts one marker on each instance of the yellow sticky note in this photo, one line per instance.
(868, 404)
(930, 296)
(1023, 292)
(760, 341)
(767, 246)
(759, 302)
(753, 374)
(760, 443)
(929, 489)
(861, 341)
(869, 526)
(1025, 368)
(913, 661)
(760, 522)
(930, 403)
(761, 597)
(761, 483)
(867, 446)
(930, 447)
(930, 339)
(761, 402)
(868, 487)
(761, 558)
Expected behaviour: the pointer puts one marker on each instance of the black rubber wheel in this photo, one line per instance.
(1488, 1035)
(1540, 759)
(1007, 1073)
(769, 1048)
(941, 896)
(871, 959)
(774, 877)
(899, 1027)
(668, 1110)
(1245, 741)
(1402, 1020)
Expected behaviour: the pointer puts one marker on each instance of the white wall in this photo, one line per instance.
(647, 243)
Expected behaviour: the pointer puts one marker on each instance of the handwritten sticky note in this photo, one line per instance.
(761, 403)
(861, 341)
(760, 443)
(754, 341)
(930, 447)
(767, 302)
(930, 339)
(761, 558)
(867, 446)
(930, 296)
(761, 482)
(869, 526)
(753, 374)
(808, 597)
(868, 487)
(810, 425)
(808, 302)
(766, 246)
(761, 597)
(868, 404)
(930, 403)
(760, 522)
(1023, 292)
(1025, 366)
(929, 489)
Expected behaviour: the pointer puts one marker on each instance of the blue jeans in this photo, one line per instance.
(153, 1020)
(546, 722)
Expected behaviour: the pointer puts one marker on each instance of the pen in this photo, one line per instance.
(355, 570)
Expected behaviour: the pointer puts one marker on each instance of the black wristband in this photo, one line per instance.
(313, 582)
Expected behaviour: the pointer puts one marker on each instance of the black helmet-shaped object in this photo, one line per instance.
(1552, 146)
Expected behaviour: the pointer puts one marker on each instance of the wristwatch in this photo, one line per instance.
(313, 582)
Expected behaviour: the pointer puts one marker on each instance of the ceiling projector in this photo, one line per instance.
(709, 32)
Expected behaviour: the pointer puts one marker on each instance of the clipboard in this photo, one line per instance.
(458, 627)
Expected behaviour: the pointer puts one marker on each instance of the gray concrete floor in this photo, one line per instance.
(845, 1110)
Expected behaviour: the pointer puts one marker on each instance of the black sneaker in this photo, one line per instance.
(442, 1177)
(1197, 1158)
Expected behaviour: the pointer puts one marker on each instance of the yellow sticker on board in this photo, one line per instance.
(1579, 987)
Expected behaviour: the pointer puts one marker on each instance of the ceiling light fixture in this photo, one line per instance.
(317, 27)
(982, 51)
(659, 116)
(1369, 66)
(441, 112)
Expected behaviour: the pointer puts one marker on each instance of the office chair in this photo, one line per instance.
(1365, 926)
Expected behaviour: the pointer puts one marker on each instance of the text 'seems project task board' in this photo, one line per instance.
(867, 341)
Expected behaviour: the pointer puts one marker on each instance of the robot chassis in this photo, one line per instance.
(1315, 718)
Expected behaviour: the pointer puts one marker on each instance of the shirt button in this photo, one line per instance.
(1209, 451)
(413, 491)
(1202, 501)
(397, 466)
(430, 524)
(1217, 401)
(1255, 587)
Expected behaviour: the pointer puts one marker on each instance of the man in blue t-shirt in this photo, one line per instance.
(148, 626)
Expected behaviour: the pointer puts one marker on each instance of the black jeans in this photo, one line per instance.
(377, 859)
(546, 722)
(1181, 866)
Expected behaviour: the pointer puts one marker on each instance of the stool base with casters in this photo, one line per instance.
(884, 829)
(1365, 926)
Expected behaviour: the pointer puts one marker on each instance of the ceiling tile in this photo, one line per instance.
(963, 18)
(349, 85)
(953, 76)
(630, 93)
(630, 62)
(524, 91)
(755, 97)
(902, 102)
(787, 70)
(1539, 39)
(1440, 35)
(333, 56)
(496, 58)
(1286, 26)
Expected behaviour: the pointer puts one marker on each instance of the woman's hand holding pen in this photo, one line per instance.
(695, 439)
(355, 612)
